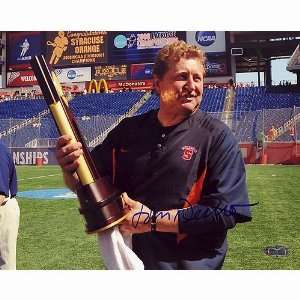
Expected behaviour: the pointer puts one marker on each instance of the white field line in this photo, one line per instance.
(51, 175)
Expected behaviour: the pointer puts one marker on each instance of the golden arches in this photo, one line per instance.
(98, 85)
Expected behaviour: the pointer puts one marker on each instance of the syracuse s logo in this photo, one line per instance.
(188, 152)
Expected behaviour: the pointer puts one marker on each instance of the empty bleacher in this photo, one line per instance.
(254, 108)
(104, 104)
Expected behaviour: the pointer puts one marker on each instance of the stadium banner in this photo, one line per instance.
(68, 48)
(209, 41)
(21, 78)
(70, 75)
(139, 47)
(22, 46)
(216, 66)
(141, 71)
(117, 85)
(110, 72)
(28, 156)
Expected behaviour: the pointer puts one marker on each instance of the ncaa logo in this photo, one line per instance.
(120, 41)
(71, 74)
(205, 38)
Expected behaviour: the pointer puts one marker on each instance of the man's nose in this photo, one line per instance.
(190, 84)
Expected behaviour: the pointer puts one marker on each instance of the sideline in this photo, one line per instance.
(51, 175)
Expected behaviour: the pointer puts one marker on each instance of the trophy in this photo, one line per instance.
(100, 202)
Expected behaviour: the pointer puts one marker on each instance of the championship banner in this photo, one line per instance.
(22, 47)
(130, 84)
(29, 156)
(70, 75)
(21, 78)
(209, 41)
(111, 72)
(137, 47)
(76, 47)
(141, 71)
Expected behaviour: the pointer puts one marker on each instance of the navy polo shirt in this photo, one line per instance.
(8, 176)
(195, 166)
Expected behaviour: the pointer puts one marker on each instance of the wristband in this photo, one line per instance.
(153, 221)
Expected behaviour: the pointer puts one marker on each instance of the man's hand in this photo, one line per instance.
(67, 154)
(138, 217)
(2, 199)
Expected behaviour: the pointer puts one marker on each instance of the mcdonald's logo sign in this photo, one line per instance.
(97, 85)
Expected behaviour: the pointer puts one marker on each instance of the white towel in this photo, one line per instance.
(116, 250)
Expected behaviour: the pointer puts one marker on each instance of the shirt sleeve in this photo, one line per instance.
(8, 176)
(224, 200)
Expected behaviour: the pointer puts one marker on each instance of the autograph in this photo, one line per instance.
(190, 213)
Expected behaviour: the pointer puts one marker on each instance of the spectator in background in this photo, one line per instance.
(272, 134)
(292, 133)
(260, 140)
(231, 84)
(9, 211)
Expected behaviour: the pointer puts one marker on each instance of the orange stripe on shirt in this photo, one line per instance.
(114, 165)
(193, 197)
(196, 190)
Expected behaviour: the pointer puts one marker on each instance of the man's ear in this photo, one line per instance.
(156, 85)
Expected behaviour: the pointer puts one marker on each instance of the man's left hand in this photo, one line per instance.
(138, 218)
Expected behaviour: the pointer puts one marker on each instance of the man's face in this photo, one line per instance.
(181, 88)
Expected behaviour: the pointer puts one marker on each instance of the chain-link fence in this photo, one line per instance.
(246, 126)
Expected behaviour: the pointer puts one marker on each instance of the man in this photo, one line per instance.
(9, 211)
(183, 169)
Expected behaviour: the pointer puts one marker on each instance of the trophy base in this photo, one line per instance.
(108, 226)
(101, 206)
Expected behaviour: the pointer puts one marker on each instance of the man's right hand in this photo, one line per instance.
(67, 153)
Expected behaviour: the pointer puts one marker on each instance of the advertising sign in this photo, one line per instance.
(76, 47)
(209, 41)
(216, 66)
(70, 75)
(130, 84)
(138, 47)
(141, 71)
(22, 47)
(111, 72)
(73, 88)
(21, 78)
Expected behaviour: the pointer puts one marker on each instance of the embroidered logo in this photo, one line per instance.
(188, 152)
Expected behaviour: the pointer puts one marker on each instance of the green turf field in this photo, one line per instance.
(52, 237)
